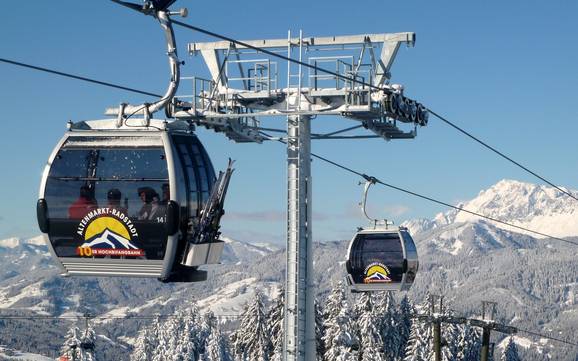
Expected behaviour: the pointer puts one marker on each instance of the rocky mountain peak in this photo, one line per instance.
(538, 207)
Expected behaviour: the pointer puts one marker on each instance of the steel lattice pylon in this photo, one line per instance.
(244, 88)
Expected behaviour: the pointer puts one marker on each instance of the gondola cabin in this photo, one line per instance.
(127, 201)
(381, 259)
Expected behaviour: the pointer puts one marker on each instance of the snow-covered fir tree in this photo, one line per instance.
(419, 347)
(420, 344)
(450, 336)
(146, 342)
(510, 352)
(368, 324)
(388, 325)
(216, 346)
(275, 323)
(88, 344)
(71, 347)
(340, 338)
(468, 344)
(319, 331)
(405, 311)
(79, 345)
(251, 341)
(187, 344)
(178, 337)
(166, 345)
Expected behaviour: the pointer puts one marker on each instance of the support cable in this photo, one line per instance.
(486, 145)
(547, 337)
(78, 77)
(403, 190)
(386, 90)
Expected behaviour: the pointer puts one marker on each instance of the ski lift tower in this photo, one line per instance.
(346, 76)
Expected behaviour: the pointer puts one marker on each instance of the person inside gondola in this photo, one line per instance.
(113, 197)
(147, 195)
(159, 207)
(84, 204)
(166, 194)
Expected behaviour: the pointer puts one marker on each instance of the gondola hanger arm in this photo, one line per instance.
(159, 10)
(374, 221)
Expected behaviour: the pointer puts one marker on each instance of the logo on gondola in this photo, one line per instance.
(107, 232)
(377, 273)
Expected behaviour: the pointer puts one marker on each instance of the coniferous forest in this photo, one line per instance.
(361, 327)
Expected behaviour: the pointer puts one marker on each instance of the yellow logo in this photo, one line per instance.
(377, 273)
(107, 232)
(100, 224)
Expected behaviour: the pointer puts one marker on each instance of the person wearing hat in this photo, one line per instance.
(84, 204)
(113, 197)
(147, 195)
(159, 206)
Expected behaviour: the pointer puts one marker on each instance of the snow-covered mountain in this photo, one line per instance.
(541, 208)
(109, 239)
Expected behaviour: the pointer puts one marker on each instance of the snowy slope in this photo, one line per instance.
(237, 252)
(541, 208)
(231, 299)
(9, 354)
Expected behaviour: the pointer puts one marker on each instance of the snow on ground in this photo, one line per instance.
(32, 290)
(37, 241)
(570, 293)
(8, 354)
(538, 207)
(506, 292)
(522, 342)
(163, 301)
(449, 241)
(231, 299)
(117, 312)
(10, 243)
(111, 315)
(457, 246)
(41, 307)
(14, 242)
(71, 314)
(106, 339)
(128, 340)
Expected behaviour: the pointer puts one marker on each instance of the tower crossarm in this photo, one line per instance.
(347, 76)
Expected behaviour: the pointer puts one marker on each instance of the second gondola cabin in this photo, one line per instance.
(128, 201)
(381, 259)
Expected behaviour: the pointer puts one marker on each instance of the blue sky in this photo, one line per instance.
(506, 71)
